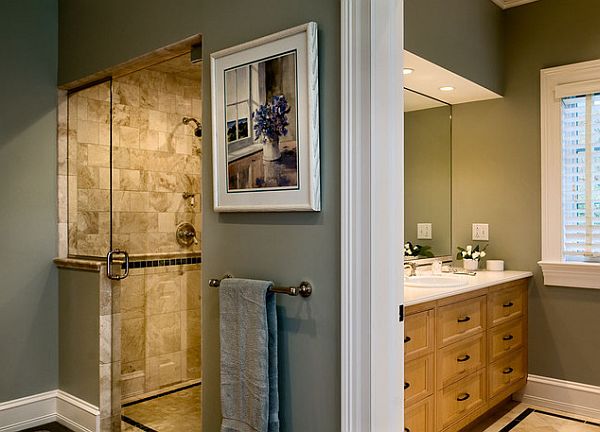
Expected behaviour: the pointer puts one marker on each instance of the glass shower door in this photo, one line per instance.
(89, 171)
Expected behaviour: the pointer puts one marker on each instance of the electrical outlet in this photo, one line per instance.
(481, 232)
(424, 231)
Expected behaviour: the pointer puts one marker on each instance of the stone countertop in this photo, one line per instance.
(482, 279)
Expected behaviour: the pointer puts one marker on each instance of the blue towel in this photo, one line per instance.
(249, 390)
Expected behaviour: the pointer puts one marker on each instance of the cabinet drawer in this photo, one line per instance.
(460, 320)
(459, 399)
(460, 359)
(419, 417)
(418, 379)
(506, 371)
(506, 338)
(505, 304)
(418, 335)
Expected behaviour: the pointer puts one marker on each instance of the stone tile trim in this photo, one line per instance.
(78, 264)
(164, 262)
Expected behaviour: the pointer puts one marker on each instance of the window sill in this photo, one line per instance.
(571, 274)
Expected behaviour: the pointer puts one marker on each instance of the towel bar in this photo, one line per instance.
(304, 289)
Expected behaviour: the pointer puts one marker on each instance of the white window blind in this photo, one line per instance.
(580, 120)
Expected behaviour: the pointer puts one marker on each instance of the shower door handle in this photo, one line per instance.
(123, 263)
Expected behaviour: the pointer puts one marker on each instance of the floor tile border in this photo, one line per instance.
(149, 398)
(528, 411)
(138, 425)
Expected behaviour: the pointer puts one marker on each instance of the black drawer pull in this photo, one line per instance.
(463, 397)
(406, 385)
(507, 337)
(508, 370)
(406, 430)
(463, 358)
(507, 305)
(465, 319)
(406, 339)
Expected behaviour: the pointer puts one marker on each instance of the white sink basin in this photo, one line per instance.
(431, 281)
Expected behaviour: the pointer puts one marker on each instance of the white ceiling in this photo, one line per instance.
(428, 77)
(415, 102)
(505, 4)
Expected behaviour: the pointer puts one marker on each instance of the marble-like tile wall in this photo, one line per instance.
(160, 328)
(89, 171)
(155, 160)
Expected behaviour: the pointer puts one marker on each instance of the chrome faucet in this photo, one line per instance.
(413, 268)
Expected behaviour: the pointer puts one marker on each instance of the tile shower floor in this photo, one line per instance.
(176, 411)
(518, 417)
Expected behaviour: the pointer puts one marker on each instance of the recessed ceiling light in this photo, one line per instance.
(407, 71)
(446, 88)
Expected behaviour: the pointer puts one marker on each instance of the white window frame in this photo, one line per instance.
(241, 147)
(557, 83)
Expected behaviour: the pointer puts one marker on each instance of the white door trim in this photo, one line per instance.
(372, 215)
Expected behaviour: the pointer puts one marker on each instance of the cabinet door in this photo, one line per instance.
(460, 399)
(460, 320)
(418, 335)
(418, 379)
(505, 303)
(506, 338)
(506, 371)
(419, 417)
(460, 359)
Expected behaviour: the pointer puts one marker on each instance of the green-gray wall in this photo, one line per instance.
(286, 247)
(28, 280)
(464, 36)
(497, 180)
(79, 327)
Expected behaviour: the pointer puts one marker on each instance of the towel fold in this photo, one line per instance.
(249, 388)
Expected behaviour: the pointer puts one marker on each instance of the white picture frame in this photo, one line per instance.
(265, 124)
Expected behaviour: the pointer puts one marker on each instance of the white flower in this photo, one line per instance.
(469, 248)
(464, 253)
(482, 254)
(475, 255)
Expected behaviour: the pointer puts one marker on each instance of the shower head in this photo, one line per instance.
(197, 128)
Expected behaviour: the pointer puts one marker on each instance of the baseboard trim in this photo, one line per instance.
(76, 413)
(55, 405)
(572, 397)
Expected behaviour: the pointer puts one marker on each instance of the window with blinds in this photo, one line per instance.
(580, 120)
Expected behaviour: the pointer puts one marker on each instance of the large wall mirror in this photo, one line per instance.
(427, 176)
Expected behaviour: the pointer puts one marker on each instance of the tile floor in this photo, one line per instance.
(50, 427)
(180, 411)
(518, 417)
(177, 411)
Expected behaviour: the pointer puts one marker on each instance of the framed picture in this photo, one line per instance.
(265, 114)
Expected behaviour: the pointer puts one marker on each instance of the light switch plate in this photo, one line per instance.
(424, 231)
(481, 232)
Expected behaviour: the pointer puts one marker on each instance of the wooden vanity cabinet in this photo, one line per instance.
(464, 354)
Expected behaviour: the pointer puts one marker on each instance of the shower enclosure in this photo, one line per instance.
(134, 184)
